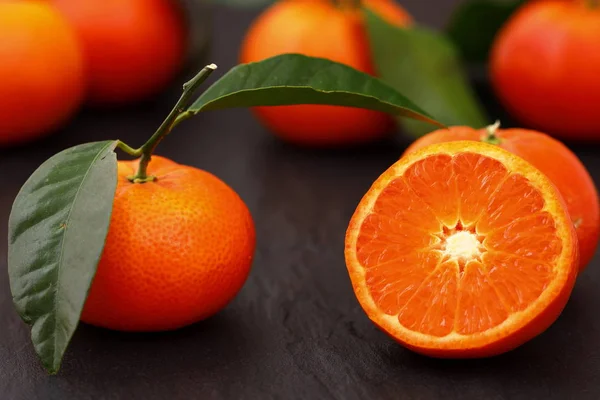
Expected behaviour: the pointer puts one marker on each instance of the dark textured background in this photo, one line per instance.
(296, 330)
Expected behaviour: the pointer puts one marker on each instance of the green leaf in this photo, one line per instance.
(297, 79)
(56, 234)
(475, 23)
(424, 66)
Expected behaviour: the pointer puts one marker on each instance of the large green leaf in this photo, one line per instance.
(57, 229)
(424, 66)
(475, 23)
(297, 79)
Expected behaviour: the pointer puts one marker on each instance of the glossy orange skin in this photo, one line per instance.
(133, 48)
(556, 161)
(41, 71)
(544, 68)
(318, 28)
(178, 250)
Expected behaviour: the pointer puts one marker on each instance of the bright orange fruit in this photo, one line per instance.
(462, 249)
(41, 71)
(551, 157)
(178, 250)
(132, 48)
(319, 28)
(544, 67)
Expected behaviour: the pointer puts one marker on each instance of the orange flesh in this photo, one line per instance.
(414, 270)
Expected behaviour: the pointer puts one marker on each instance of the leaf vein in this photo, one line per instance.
(61, 254)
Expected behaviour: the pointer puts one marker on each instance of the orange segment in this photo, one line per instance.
(519, 281)
(479, 307)
(540, 241)
(433, 180)
(462, 249)
(477, 178)
(400, 196)
(428, 311)
(374, 247)
(503, 208)
(392, 287)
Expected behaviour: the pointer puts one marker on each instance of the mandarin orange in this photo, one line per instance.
(318, 28)
(544, 67)
(132, 48)
(462, 250)
(178, 250)
(41, 71)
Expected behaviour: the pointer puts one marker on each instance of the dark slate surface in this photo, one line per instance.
(296, 330)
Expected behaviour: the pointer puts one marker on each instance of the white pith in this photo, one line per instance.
(462, 246)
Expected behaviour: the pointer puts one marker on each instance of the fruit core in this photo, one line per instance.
(462, 246)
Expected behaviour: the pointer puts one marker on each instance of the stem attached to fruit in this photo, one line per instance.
(592, 3)
(128, 149)
(177, 114)
(491, 136)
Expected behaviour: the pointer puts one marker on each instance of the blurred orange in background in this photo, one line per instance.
(320, 28)
(41, 71)
(132, 48)
(545, 65)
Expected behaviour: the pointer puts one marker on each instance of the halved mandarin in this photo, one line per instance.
(462, 250)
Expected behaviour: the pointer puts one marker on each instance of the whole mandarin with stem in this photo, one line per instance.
(180, 242)
(544, 67)
(328, 29)
(550, 156)
(179, 248)
(132, 48)
(41, 69)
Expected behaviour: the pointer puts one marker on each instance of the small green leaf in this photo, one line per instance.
(424, 66)
(297, 79)
(56, 234)
(475, 23)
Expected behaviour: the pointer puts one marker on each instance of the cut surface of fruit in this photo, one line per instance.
(462, 249)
